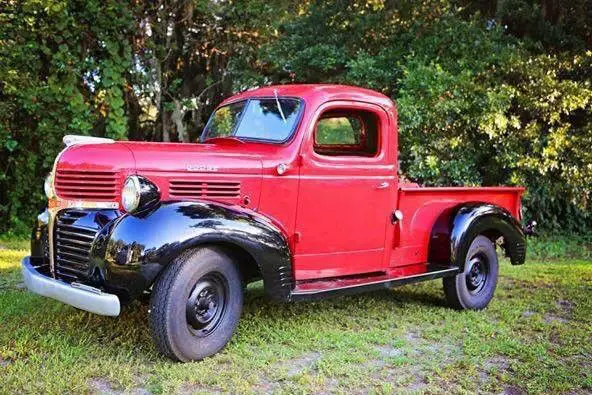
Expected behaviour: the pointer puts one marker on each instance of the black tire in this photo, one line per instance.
(474, 287)
(196, 304)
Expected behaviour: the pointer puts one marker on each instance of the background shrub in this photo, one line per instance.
(489, 92)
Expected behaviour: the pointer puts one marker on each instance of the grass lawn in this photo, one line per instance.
(536, 336)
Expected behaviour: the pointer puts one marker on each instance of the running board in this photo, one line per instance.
(371, 285)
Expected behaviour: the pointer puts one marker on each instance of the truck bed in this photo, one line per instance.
(428, 208)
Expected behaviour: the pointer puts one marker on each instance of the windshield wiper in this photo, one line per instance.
(224, 139)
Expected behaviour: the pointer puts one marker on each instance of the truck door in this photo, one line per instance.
(346, 192)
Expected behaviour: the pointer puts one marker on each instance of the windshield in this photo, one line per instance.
(255, 119)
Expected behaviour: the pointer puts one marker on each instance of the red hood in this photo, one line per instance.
(96, 172)
(200, 158)
(181, 171)
(114, 157)
(131, 157)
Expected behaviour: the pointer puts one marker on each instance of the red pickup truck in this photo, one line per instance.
(296, 185)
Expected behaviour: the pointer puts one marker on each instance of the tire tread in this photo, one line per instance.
(456, 294)
(160, 304)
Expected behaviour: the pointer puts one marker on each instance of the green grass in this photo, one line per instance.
(534, 337)
(553, 247)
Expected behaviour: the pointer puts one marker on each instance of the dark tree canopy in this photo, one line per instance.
(489, 92)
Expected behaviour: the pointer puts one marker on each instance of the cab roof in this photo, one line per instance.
(317, 94)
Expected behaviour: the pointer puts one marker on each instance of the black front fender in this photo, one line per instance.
(138, 247)
(493, 221)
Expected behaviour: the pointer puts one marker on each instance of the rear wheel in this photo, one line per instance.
(474, 287)
(196, 304)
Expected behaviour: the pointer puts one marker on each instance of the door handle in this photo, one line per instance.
(383, 185)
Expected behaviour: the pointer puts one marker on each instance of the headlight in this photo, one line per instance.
(48, 186)
(130, 194)
(138, 193)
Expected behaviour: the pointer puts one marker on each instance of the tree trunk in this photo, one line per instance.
(177, 118)
(133, 114)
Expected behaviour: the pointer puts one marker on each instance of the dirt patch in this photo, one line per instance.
(446, 350)
(293, 367)
(300, 364)
(528, 313)
(513, 390)
(101, 385)
(413, 336)
(411, 376)
(565, 305)
(493, 367)
(563, 315)
(385, 352)
(264, 386)
(408, 379)
(551, 318)
(389, 351)
(330, 386)
(498, 363)
(4, 362)
(416, 385)
(139, 391)
(196, 388)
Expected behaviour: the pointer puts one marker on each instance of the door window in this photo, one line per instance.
(351, 133)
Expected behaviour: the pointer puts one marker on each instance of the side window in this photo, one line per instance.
(347, 133)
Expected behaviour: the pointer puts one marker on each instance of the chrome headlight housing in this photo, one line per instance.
(48, 186)
(138, 193)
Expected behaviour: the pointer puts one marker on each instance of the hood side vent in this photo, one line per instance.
(199, 189)
(86, 185)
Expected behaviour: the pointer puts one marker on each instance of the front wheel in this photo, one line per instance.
(474, 287)
(196, 304)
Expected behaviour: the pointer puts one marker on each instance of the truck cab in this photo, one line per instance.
(296, 185)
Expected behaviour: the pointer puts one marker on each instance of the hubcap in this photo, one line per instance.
(476, 277)
(206, 303)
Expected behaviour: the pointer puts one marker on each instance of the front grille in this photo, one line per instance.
(86, 185)
(188, 189)
(72, 246)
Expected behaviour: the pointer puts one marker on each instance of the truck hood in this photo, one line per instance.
(192, 157)
(115, 157)
(137, 157)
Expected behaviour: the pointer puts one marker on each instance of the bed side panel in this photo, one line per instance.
(425, 209)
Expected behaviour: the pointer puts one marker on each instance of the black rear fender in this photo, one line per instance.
(456, 228)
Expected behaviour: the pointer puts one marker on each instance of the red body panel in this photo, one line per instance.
(422, 207)
(335, 211)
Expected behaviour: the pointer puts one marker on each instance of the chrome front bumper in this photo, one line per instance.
(77, 295)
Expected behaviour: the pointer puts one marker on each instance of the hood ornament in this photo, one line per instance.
(75, 139)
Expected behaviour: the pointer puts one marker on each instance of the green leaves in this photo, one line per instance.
(62, 71)
(486, 96)
(477, 106)
(10, 145)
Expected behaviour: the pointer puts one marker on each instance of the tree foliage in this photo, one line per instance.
(480, 102)
(489, 92)
(63, 70)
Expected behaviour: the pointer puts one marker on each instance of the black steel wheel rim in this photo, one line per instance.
(478, 273)
(206, 304)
